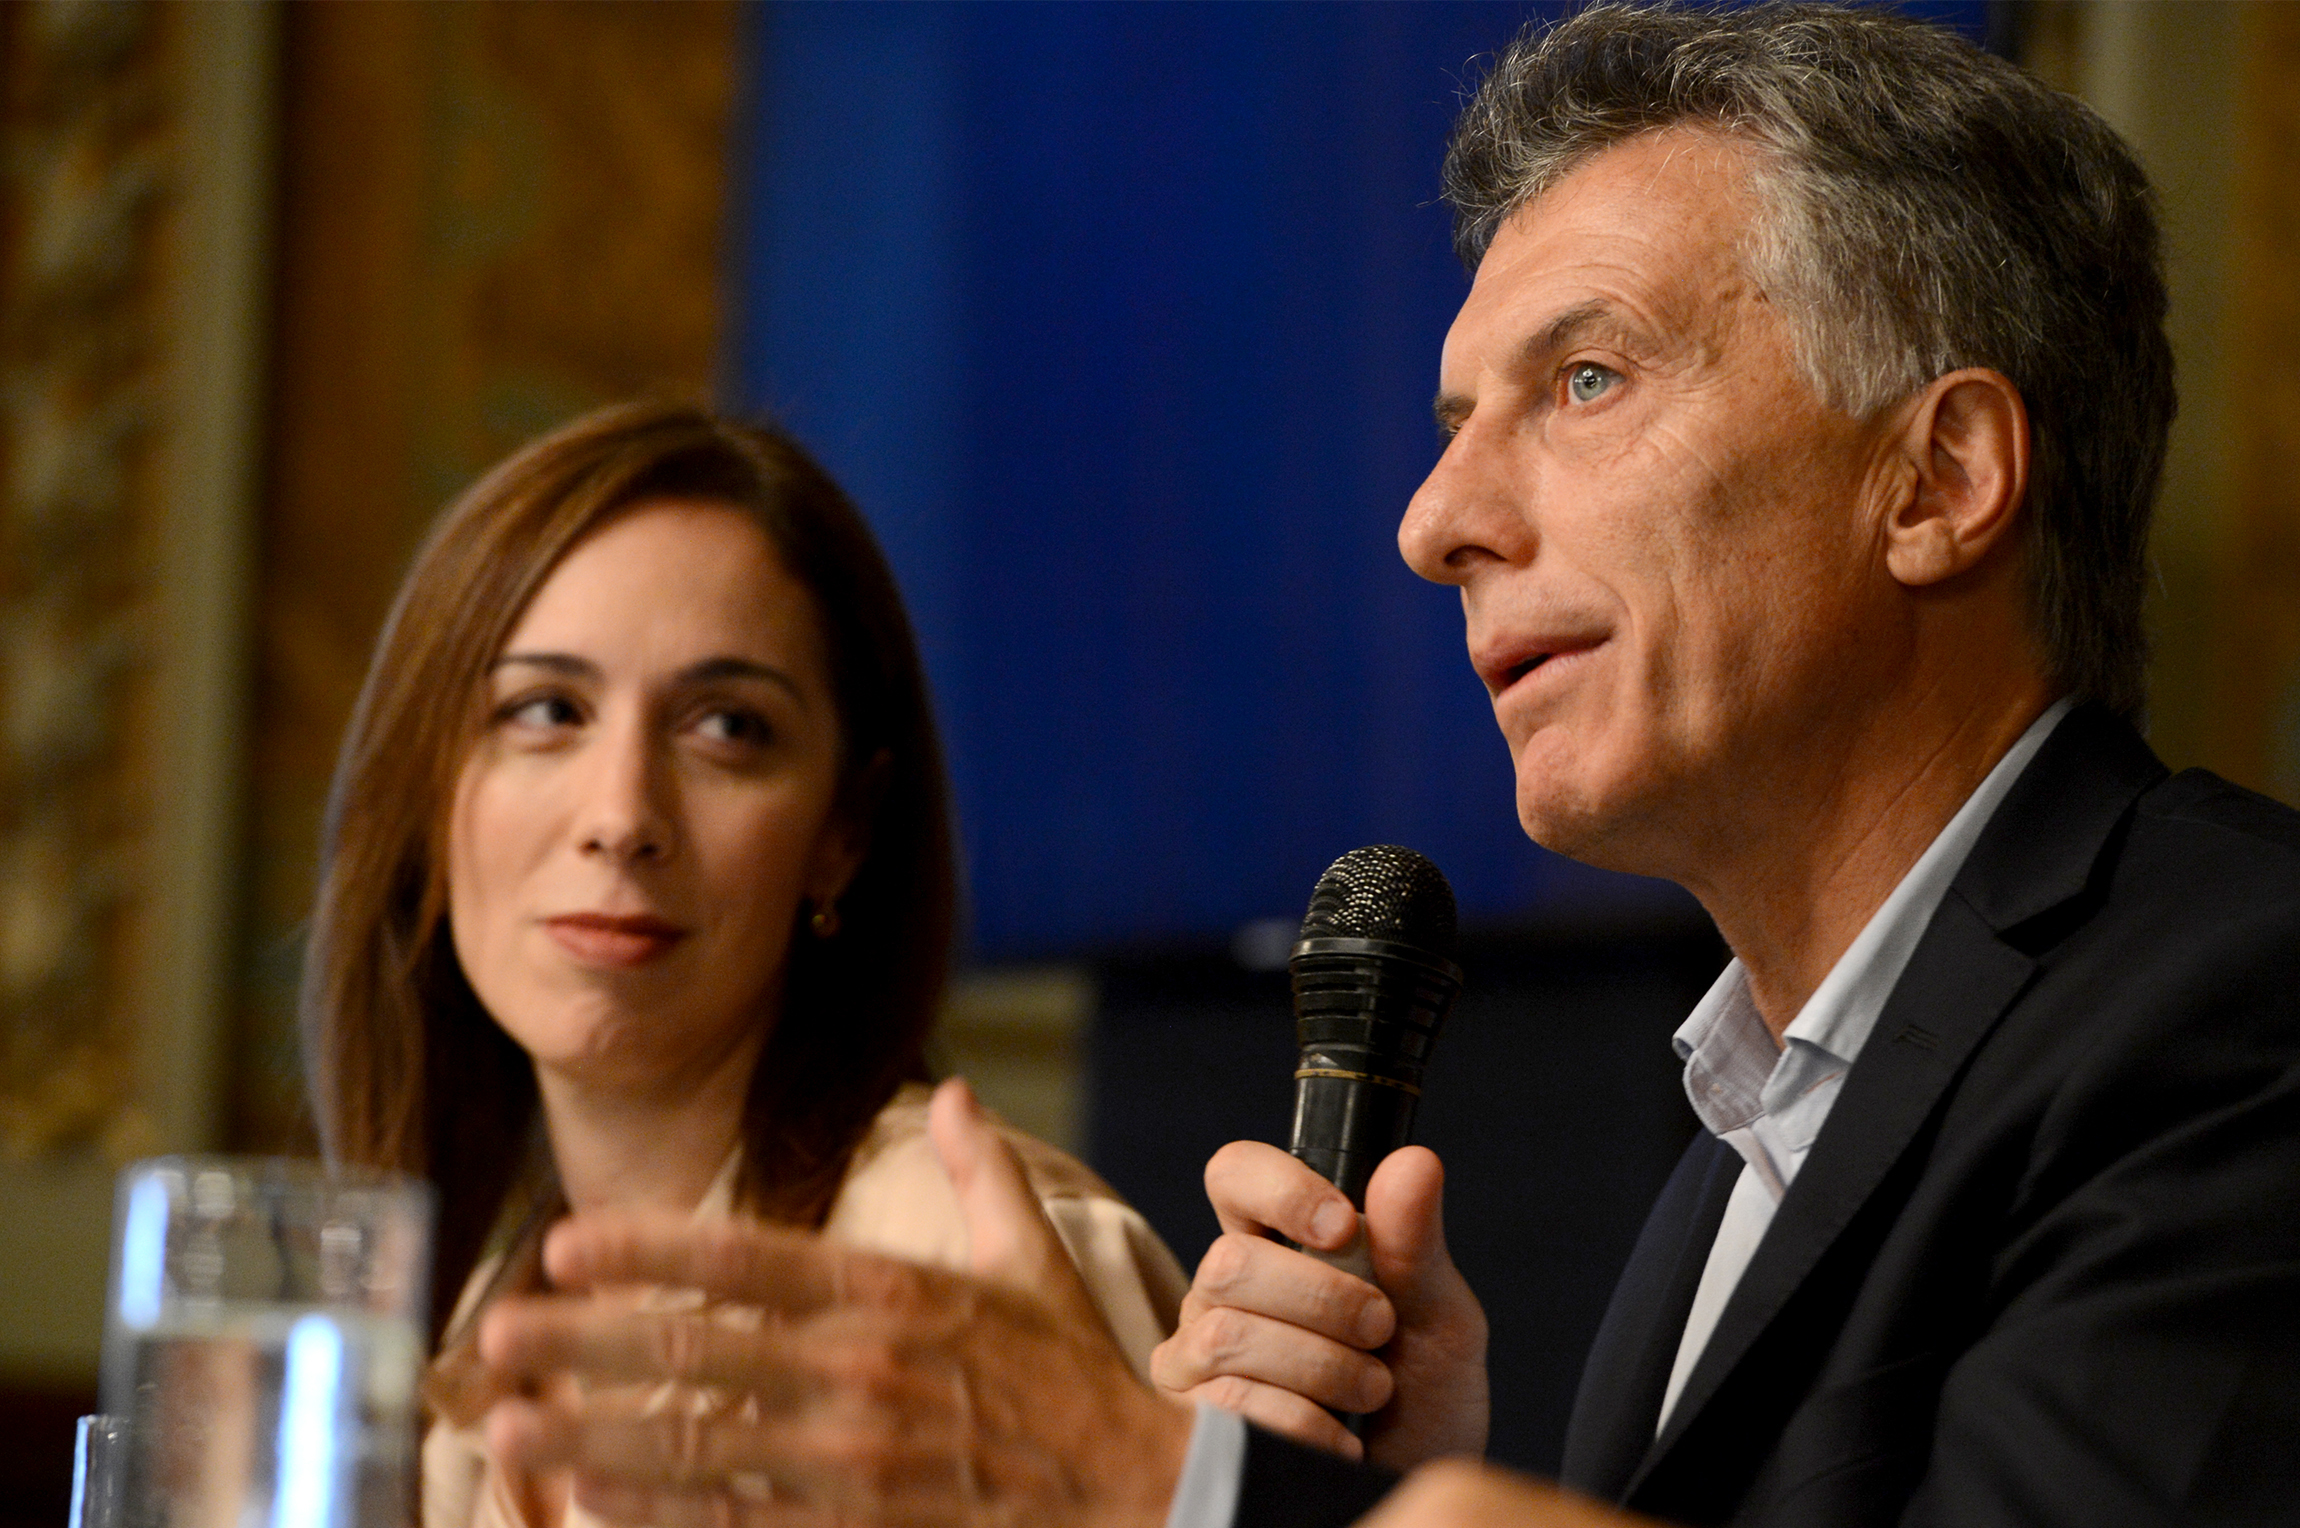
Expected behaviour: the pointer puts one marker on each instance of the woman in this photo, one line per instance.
(638, 890)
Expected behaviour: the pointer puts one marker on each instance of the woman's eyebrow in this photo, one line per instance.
(557, 663)
(705, 672)
(742, 668)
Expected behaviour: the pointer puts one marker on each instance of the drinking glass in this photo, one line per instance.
(99, 1456)
(262, 1341)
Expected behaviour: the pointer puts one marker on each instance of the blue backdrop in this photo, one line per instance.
(1121, 324)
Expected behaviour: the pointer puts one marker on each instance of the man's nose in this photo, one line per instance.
(626, 816)
(1466, 512)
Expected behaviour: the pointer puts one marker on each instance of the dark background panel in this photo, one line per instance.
(1553, 1099)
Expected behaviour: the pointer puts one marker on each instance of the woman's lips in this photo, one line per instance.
(598, 939)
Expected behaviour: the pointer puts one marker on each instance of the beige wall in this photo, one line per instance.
(2209, 96)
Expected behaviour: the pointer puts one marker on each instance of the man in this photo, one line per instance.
(1804, 419)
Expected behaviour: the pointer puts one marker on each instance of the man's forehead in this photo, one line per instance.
(1645, 230)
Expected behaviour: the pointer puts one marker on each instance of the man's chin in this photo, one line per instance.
(1606, 831)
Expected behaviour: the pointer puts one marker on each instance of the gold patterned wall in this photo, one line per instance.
(89, 129)
(134, 203)
(493, 216)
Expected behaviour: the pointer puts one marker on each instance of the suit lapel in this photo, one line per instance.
(1629, 1361)
(2037, 853)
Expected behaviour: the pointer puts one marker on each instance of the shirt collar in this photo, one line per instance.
(1731, 1064)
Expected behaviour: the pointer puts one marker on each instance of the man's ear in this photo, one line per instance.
(1967, 440)
(845, 842)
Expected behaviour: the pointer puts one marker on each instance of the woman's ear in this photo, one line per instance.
(845, 840)
(1967, 441)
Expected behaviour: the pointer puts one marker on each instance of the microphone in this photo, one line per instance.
(1373, 978)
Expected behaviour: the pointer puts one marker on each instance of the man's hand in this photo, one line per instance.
(1455, 1494)
(1279, 1337)
(819, 1383)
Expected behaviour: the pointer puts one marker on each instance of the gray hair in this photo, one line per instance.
(1927, 207)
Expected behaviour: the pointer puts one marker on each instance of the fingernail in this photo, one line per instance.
(1333, 1224)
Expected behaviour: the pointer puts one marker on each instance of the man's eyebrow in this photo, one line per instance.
(1561, 333)
(1570, 328)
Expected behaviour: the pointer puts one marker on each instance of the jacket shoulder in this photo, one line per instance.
(2201, 799)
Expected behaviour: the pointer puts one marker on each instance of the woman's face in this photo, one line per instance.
(649, 803)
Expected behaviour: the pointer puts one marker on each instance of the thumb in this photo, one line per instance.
(1405, 1230)
(1009, 1239)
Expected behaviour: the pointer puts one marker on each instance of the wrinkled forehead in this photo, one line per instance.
(1661, 230)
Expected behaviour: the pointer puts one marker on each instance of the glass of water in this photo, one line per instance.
(99, 1458)
(262, 1342)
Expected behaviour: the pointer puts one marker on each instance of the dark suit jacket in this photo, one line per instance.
(2043, 1264)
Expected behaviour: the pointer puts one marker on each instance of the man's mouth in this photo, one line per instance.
(1504, 675)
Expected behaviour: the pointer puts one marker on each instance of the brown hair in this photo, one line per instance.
(408, 1072)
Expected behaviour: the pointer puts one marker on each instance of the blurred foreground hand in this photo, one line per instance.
(1454, 1493)
(816, 1383)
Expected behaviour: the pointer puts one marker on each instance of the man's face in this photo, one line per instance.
(1667, 544)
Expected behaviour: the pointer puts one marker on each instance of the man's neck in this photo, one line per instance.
(1817, 877)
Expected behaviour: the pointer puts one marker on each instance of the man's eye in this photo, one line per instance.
(1589, 381)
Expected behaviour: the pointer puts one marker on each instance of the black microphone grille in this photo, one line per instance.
(1383, 891)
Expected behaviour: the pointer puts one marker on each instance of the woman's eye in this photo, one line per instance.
(543, 712)
(1589, 381)
(746, 727)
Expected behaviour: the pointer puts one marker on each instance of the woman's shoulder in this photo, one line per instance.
(898, 1200)
(898, 1135)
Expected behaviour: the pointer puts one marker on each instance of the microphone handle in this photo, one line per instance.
(1366, 1014)
(1346, 1108)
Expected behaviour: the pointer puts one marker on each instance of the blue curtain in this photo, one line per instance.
(1121, 323)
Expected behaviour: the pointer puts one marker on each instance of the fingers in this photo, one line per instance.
(615, 1501)
(529, 1338)
(1280, 1411)
(831, 1453)
(1239, 1344)
(1251, 1273)
(1257, 1188)
(784, 1272)
(1009, 1238)
(741, 1260)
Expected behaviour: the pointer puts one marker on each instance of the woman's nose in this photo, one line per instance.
(624, 814)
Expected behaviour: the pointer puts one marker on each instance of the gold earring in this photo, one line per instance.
(824, 921)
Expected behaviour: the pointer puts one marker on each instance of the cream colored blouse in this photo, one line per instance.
(897, 1200)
